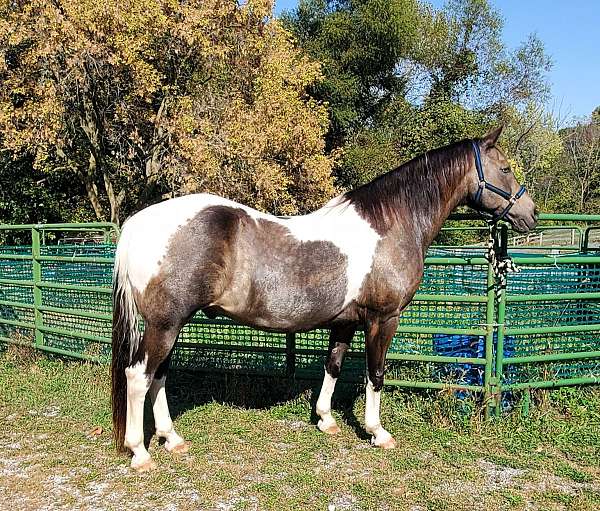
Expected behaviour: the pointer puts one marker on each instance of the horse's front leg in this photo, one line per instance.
(378, 336)
(339, 342)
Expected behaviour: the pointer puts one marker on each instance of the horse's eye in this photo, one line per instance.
(505, 170)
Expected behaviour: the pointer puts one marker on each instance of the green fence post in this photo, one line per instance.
(500, 325)
(488, 376)
(500, 348)
(37, 278)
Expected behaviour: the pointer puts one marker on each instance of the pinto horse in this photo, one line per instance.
(356, 263)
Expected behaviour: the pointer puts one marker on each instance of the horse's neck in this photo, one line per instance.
(426, 219)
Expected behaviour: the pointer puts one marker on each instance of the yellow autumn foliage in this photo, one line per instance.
(144, 99)
(263, 139)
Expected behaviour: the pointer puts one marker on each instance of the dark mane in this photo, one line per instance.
(418, 185)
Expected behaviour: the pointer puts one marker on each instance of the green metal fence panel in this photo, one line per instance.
(55, 295)
(551, 313)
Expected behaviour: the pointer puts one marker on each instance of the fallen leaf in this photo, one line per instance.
(97, 431)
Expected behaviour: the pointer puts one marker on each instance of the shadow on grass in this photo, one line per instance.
(187, 390)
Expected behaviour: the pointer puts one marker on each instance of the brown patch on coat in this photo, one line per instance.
(281, 283)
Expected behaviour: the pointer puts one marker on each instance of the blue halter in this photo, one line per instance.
(484, 185)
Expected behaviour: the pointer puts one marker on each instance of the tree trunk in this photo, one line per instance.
(115, 201)
(87, 178)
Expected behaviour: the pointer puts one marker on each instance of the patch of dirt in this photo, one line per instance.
(553, 483)
(345, 502)
(49, 470)
(39, 477)
(527, 483)
(498, 477)
(295, 425)
(249, 503)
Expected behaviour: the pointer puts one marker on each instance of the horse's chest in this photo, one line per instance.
(394, 279)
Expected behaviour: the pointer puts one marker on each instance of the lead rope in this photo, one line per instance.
(501, 263)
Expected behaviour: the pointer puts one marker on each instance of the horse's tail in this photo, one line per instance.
(125, 339)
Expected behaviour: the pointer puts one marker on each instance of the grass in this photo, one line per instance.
(255, 446)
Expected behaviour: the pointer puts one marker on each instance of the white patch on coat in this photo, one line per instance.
(146, 235)
(324, 402)
(162, 417)
(137, 386)
(372, 420)
(339, 223)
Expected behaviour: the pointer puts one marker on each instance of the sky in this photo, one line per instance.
(570, 30)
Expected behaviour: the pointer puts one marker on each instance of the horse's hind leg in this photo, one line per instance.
(155, 346)
(162, 418)
(339, 342)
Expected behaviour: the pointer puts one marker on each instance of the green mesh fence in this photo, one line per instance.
(447, 321)
(570, 313)
(218, 344)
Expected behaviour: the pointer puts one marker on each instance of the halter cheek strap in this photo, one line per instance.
(484, 185)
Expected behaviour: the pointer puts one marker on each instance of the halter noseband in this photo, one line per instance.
(484, 185)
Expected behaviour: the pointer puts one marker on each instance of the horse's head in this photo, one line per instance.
(494, 189)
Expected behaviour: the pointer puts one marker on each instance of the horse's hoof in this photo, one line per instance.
(328, 427)
(181, 448)
(334, 429)
(390, 443)
(144, 466)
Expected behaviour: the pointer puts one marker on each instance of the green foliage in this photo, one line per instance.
(402, 132)
(596, 115)
(577, 182)
(402, 78)
(360, 43)
(123, 105)
(28, 195)
(459, 46)
(531, 138)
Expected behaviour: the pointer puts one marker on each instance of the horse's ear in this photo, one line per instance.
(492, 137)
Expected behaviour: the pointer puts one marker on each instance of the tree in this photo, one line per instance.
(148, 99)
(360, 43)
(565, 171)
(413, 77)
(29, 196)
(582, 164)
(464, 59)
(531, 137)
(596, 115)
(404, 131)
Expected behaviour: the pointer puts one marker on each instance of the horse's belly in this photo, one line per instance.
(284, 308)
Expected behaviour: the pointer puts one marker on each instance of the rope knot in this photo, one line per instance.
(501, 262)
